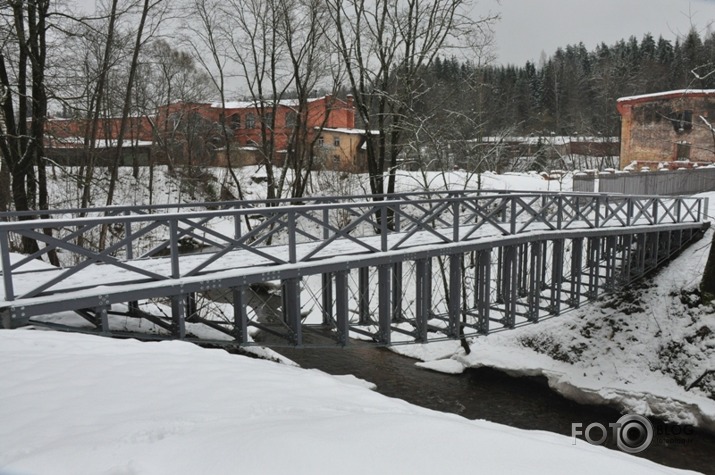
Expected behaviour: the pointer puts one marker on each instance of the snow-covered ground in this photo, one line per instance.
(82, 404)
(79, 404)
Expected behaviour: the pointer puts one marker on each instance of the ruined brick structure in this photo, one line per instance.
(671, 127)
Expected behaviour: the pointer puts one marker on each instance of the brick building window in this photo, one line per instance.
(682, 121)
(291, 119)
(250, 120)
(268, 119)
(235, 122)
(321, 141)
(336, 141)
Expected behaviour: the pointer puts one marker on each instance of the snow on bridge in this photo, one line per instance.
(404, 267)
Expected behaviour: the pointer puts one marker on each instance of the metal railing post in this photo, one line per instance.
(237, 231)
(455, 221)
(705, 203)
(560, 212)
(174, 243)
(292, 251)
(383, 226)
(6, 266)
(129, 234)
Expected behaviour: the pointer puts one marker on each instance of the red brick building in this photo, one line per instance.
(192, 134)
(64, 140)
(671, 126)
(246, 119)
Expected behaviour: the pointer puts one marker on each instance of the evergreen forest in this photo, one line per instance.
(572, 92)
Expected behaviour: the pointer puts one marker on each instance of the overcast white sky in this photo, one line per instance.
(529, 27)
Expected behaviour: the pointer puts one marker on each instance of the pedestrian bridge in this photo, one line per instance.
(401, 268)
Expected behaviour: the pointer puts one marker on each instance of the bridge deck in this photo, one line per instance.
(110, 285)
(333, 239)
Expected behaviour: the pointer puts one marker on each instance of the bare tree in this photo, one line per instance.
(170, 76)
(207, 26)
(158, 10)
(259, 53)
(385, 46)
(304, 28)
(23, 55)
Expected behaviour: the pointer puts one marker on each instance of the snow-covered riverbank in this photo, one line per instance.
(644, 350)
(72, 404)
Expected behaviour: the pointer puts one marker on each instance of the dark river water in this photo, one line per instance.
(526, 403)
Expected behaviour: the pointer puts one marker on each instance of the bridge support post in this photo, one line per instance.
(557, 273)
(327, 299)
(423, 297)
(482, 294)
(192, 310)
(523, 273)
(593, 262)
(626, 258)
(240, 317)
(364, 296)
(341, 307)
(384, 305)
(610, 260)
(500, 280)
(102, 312)
(455, 295)
(397, 291)
(639, 255)
(510, 282)
(576, 263)
(132, 307)
(178, 312)
(291, 310)
(536, 261)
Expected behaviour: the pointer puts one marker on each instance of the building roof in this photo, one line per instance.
(267, 102)
(77, 142)
(667, 95)
(343, 130)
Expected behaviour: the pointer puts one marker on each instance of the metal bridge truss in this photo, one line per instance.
(411, 268)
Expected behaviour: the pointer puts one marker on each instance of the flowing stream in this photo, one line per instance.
(525, 402)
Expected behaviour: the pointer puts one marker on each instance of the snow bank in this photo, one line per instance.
(72, 403)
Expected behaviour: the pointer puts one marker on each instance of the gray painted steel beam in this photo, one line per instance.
(455, 295)
(240, 316)
(341, 307)
(423, 296)
(291, 310)
(384, 304)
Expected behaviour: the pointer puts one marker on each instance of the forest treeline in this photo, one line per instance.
(571, 92)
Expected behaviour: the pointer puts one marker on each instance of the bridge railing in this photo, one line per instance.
(151, 247)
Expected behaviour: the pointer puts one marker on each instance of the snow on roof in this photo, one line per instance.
(352, 131)
(551, 139)
(669, 94)
(57, 142)
(267, 102)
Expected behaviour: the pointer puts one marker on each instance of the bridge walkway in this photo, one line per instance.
(529, 256)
